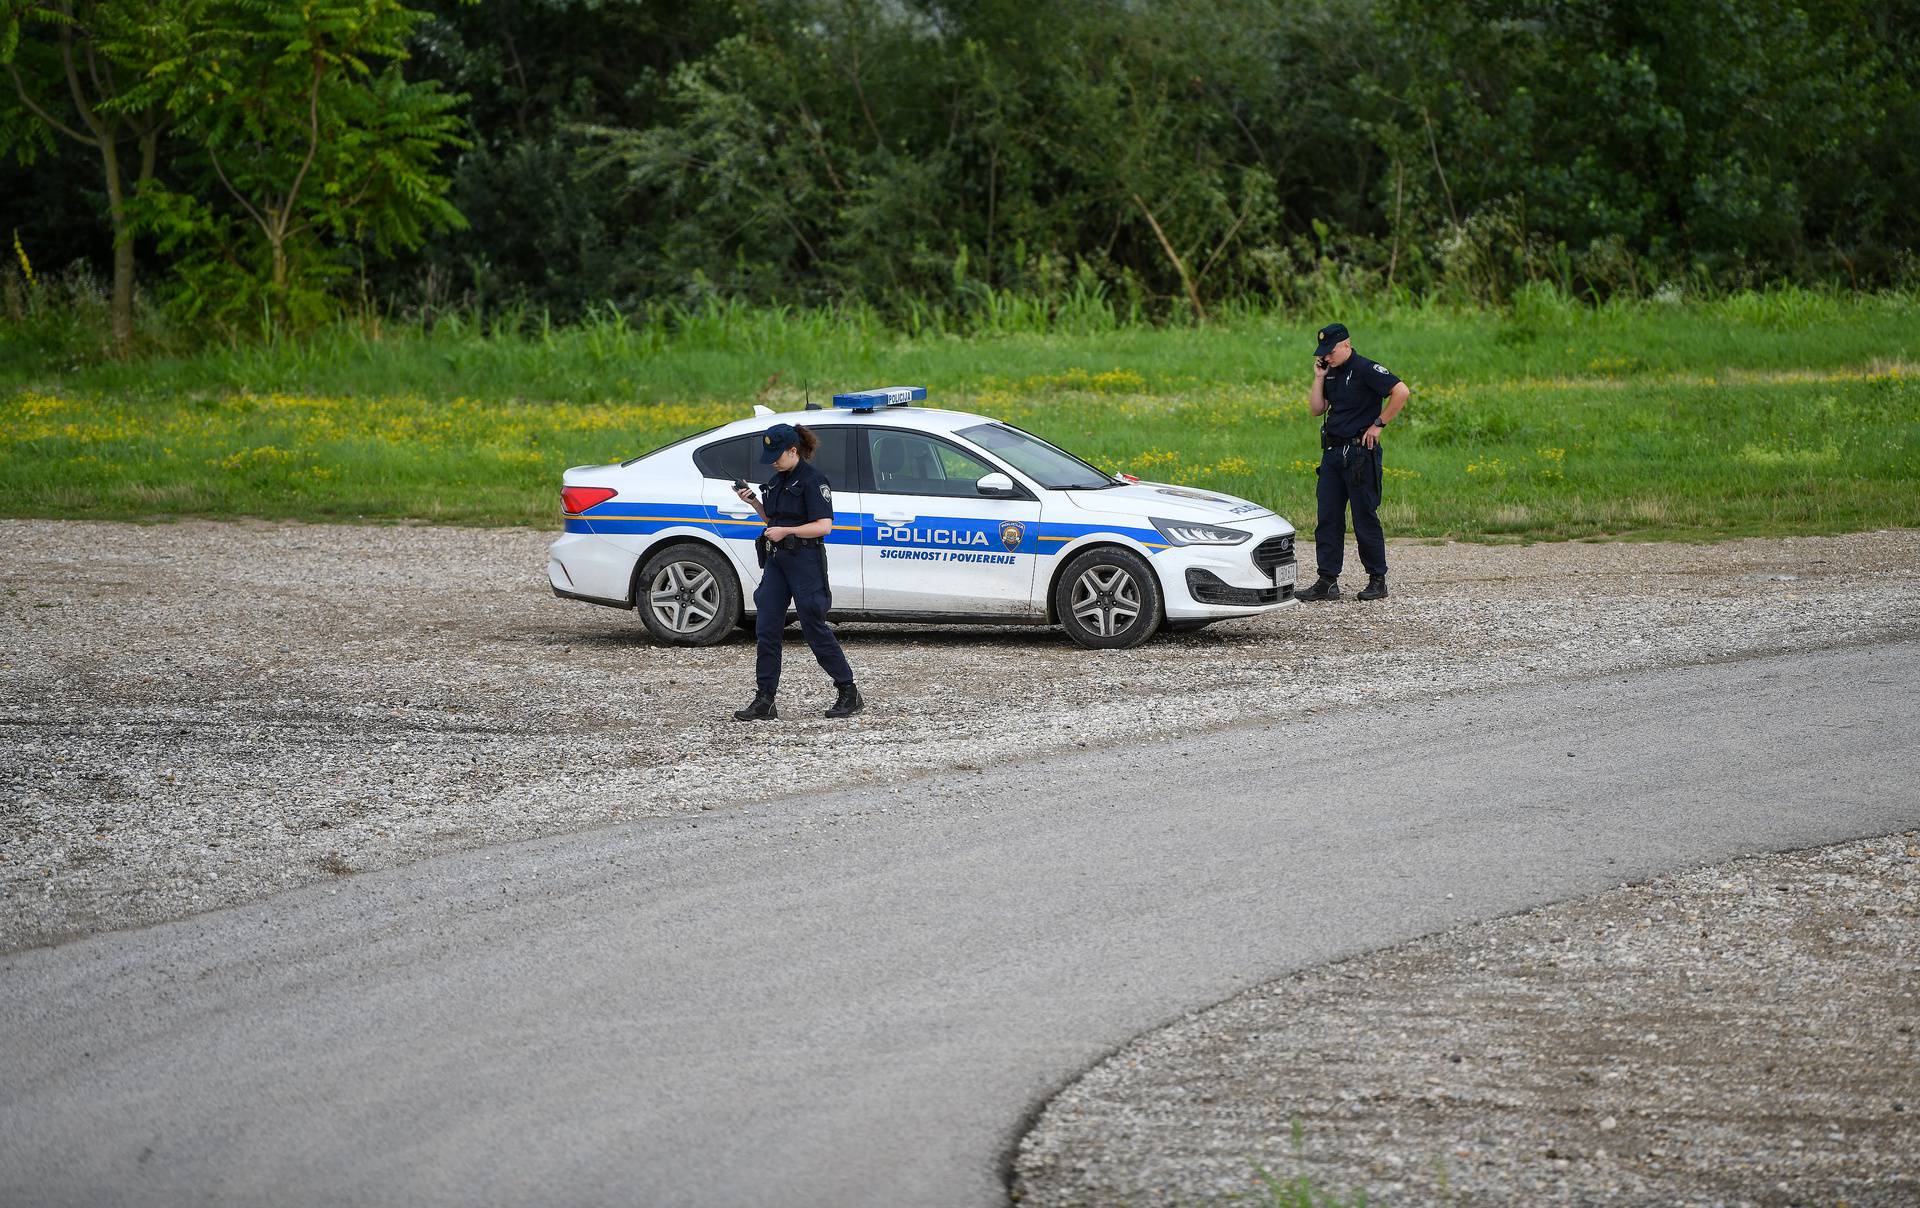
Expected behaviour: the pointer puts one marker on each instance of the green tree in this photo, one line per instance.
(541, 234)
(1732, 137)
(903, 151)
(313, 146)
(72, 68)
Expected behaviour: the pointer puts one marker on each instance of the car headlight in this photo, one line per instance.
(1187, 532)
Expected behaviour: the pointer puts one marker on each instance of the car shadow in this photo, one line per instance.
(883, 635)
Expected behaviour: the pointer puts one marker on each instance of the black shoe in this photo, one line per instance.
(1376, 588)
(1323, 589)
(847, 703)
(760, 710)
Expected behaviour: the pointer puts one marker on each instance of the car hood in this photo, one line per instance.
(1168, 501)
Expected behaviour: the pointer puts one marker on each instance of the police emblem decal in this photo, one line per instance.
(826, 492)
(1010, 534)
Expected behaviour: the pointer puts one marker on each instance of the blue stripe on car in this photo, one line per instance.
(966, 532)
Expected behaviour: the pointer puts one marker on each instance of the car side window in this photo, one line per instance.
(739, 457)
(834, 457)
(727, 460)
(906, 463)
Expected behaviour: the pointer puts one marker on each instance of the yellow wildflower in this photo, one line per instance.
(26, 266)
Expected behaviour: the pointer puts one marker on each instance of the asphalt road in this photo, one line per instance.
(860, 999)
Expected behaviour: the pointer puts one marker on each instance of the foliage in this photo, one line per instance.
(536, 71)
(75, 70)
(989, 167)
(926, 157)
(1733, 136)
(908, 153)
(317, 149)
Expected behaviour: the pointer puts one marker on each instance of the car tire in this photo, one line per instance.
(1108, 599)
(687, 595)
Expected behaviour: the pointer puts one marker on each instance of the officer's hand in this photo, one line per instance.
(1371, 437)
(775, 532)
(1319, 367)
(745, 494)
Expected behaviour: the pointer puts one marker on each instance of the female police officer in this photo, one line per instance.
(798, 509)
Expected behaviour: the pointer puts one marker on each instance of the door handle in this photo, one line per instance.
(894, 517)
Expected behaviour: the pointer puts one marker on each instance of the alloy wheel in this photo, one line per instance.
(1106, 600)
(684, 596)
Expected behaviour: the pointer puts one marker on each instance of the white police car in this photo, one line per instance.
(939, 516)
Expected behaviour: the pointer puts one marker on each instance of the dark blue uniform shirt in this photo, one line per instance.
(797, 496)
(1354, 393)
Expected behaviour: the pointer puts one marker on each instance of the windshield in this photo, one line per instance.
(1038, 460)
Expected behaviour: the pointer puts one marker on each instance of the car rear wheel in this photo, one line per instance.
(1108, 599)
(687, 596)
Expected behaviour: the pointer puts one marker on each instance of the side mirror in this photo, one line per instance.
(995, 486)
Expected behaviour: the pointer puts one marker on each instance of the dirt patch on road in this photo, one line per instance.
(197, 714)
(1746, 1034)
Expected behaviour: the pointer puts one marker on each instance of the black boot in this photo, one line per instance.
(1323, 589)
(760, 710)
(847, 703)
(1376, 588)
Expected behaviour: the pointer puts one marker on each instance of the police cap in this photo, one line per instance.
(1330, 335)
(777, 440)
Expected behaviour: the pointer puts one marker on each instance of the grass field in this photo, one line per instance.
(1772, 413)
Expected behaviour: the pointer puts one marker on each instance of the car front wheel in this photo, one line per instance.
(1108, 599)
(687, 596)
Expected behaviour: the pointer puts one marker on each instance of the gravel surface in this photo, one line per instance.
(1746, 1034)
(198, 714)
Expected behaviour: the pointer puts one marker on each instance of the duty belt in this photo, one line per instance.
(1328, 441)
(791, 542)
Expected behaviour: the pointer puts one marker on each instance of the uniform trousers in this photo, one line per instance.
(1350, 475)
(799, 575)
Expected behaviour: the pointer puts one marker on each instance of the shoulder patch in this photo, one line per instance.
(826, 492)
(1379, 368)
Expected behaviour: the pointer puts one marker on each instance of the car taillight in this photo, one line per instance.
(574, 500)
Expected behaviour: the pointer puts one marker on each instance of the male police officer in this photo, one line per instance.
(1359, 398)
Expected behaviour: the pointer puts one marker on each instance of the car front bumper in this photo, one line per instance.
(1212, 582)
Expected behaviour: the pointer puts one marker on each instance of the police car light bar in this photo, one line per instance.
(884, 396)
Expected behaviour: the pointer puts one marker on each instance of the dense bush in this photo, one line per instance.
(990, 164)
